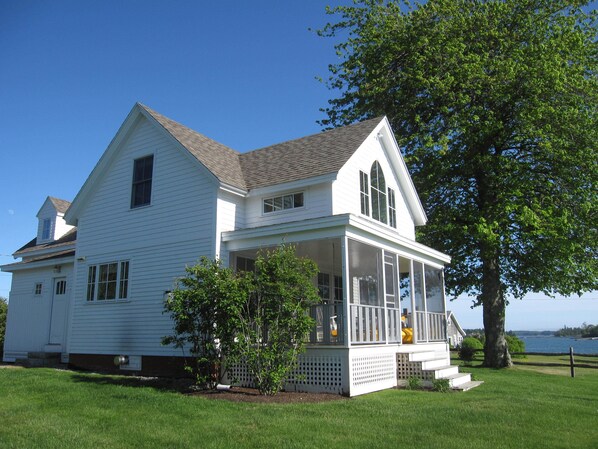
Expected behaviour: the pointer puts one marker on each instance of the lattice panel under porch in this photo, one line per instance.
(318, 373)
(372, 368)
(241, 376)
(314, 373)
(407, 369)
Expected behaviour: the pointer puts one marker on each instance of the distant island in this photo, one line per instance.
(585, 331)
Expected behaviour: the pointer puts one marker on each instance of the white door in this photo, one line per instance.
(58, 311)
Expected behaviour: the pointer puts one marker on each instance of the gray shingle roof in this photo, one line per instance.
(221, 160)
(67, 239)
(307, 157)
(60, 205)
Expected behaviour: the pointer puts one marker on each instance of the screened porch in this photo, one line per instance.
(370, 295)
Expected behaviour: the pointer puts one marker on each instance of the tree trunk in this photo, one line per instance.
(496, 352)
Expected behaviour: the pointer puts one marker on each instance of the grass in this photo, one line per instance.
(516, 408)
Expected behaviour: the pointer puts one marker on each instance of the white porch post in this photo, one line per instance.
(414, 323)
(346, 291)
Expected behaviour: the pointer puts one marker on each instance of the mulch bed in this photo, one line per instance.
(241, 394)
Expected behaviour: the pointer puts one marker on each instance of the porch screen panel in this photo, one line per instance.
(420, 307)
(367, 293)
(435, 304)
(405, 288)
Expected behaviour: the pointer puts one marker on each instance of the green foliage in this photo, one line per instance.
(495, 105)
(259, 319)
(203, 307)
(3, 313)
(469, 347)
(414, 383)
(585, 331)
(273, 322)
(515, 343)
(441, 385)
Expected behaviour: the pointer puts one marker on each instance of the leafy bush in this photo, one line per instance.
(414, 383)
(441, 385)
(469, 347)
(203, 306)
(259, 319)
(515, 344)
(274, 320)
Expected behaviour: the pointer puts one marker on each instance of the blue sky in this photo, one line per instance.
(241, 72)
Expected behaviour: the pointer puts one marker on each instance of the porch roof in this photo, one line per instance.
(329, 227)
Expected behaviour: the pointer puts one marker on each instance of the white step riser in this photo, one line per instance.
(422, 356)
(431, 364)
(445, 372)
(460, 380)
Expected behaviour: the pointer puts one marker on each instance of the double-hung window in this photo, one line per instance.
(141, 192)
(108, 281)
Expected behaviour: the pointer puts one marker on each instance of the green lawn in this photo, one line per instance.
(516, 408)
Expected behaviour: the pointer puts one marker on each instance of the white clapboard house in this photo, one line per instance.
(91, 285)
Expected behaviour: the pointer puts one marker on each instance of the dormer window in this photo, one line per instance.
(46, 228)
(141, 193)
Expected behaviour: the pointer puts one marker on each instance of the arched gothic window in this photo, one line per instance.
(378, 193)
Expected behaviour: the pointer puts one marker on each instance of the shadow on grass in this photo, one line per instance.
(158, 383)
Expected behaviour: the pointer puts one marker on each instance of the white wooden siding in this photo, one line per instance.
(317, 203)
(28, 321)
(159, 240)
(230, 209)
(346, 188)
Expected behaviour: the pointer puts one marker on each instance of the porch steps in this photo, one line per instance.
(41, 360)
(430, 366)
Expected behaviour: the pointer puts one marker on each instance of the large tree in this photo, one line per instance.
(494, 104)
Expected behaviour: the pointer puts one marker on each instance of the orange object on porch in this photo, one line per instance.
(407, 335)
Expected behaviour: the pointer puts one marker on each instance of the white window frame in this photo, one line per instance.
(122, 282)
(38, 291)
(283, 203)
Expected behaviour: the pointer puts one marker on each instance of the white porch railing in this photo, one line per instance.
(367, 324)
(394, 325)
(431, 326)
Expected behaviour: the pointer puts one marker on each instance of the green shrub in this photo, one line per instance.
(414, 383)
(469, 347)
(515, 344)
(441, 385)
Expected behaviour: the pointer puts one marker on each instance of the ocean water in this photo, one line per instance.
(550, 344)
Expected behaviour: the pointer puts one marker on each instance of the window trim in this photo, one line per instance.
(121, 282)
(282, 199)
(145, 181)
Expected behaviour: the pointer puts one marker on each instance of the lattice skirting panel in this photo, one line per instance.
(372, 372)
(320, 374)
(407, 369)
